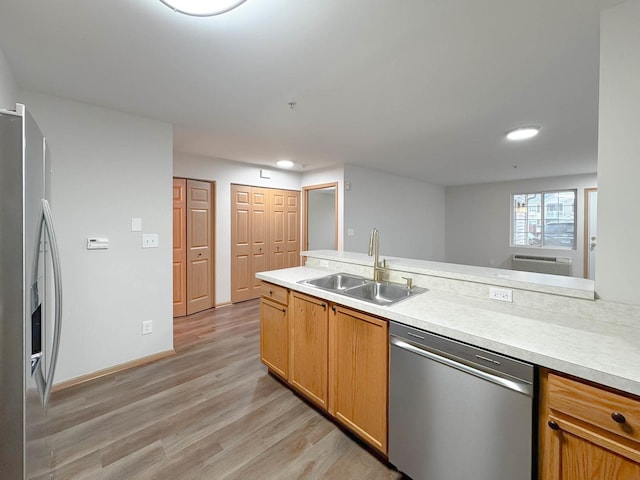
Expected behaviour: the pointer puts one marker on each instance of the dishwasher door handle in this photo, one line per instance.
(510, 383)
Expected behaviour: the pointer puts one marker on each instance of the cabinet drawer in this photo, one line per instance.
(274, 292)
(613, 412)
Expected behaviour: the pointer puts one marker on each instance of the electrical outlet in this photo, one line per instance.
(147, 327)
(501, 294)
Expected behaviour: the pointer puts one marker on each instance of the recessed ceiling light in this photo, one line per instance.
(523, 133)
(284, 163)
(202, 8)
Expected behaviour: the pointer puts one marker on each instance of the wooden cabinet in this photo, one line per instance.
(308, 348)
(587, 431)
(274, 329)
(338, 358)
(359, 359)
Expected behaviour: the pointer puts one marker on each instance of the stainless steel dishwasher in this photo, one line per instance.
(458, 412)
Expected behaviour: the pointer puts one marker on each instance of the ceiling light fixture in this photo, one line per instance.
(284, 163)
(523, 133)
(202, 8)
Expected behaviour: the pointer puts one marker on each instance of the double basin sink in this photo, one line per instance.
(354, 286)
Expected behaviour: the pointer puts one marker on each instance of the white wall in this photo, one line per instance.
(330, 175)
(618, 263)
(224, 173)
(7, 84)
(478, 221)
(409, 214)
(108, 167)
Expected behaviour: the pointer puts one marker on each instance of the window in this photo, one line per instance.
(544, 219)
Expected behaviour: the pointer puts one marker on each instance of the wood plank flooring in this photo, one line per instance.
(210, 412)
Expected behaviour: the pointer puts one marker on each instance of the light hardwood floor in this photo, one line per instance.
(210, 412)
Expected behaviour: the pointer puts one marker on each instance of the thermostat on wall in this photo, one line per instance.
(95, 243)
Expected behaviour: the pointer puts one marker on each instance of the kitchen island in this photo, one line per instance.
(591, 339)
(588, 350)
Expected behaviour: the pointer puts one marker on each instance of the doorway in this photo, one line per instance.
(590, 232)
(320, 217)
(193, 246)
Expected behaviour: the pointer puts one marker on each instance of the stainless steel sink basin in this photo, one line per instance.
(354, 286)
(336, 282)
(383, 293)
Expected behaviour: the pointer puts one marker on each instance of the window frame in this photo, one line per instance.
(543, 214)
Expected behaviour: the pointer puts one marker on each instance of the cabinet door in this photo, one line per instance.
(359, 373)
(578, 454)
(587, 432)
(309, 347)
(274, 337)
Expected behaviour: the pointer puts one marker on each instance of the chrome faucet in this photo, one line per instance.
(379, 269)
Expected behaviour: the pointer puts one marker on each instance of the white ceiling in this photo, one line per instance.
(421, 88)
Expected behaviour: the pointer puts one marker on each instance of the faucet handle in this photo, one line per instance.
(409, 282)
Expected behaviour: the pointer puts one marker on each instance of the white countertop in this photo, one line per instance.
(600, 351)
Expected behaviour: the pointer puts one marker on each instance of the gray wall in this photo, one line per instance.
(478, 221)
(322, 218)
(619, 155)
(109, 167)
(409, 214)
(7, 84)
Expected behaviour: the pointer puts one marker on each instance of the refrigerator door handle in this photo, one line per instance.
(47, 219)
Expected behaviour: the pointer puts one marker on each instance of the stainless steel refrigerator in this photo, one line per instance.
(30, 298)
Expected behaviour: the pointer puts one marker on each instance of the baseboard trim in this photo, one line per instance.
(224, 304)
(115, 369)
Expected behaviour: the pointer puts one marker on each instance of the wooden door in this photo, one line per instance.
(179, 247)
(292, 244)
(278, 257)
(199, 247)
(274, 337)
(359, 374)
(241, 281)
(259, 225)
(308, 348)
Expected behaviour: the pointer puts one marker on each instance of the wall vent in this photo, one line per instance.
(542, 264)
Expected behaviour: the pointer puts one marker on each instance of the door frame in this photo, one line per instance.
(213, 205)
(305, 212)
(587, 241)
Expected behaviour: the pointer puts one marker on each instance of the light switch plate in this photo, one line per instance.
(150, 240)
(136, 224)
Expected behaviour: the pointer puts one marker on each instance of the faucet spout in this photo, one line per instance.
(374, 250)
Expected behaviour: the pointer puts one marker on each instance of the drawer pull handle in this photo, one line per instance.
(334, 309)
(553, 425)
(284, 310)
(618, 417)
(271, 292)
(324, 306)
